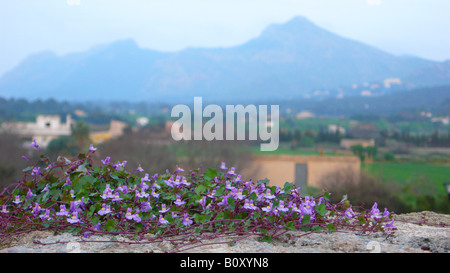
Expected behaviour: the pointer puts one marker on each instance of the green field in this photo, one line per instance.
(411, 173)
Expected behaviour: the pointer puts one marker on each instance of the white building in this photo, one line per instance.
(45, 129)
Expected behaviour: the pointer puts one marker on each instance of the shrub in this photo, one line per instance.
(74, 195)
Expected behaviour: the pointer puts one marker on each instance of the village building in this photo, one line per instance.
(303, 171)
(115, 130)
(45, 129)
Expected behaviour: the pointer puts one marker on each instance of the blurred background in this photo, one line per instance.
(363, 88)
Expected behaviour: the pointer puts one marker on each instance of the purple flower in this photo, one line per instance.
(178, 202)
(145, 206)
(202, 201)
(278, 191)
(117, 197)
(105, 209)
(107, 193)
(74, 206)
(45, 188)
(4, 209)
(179, 169)
(222, 166)
(30, 194)
(68, 182)
(349, 213)
(228, 185)
(34, 144)
(184, 181)
(17, 199)
(96, 227)
(106, 161)
(268, 208)
(62, 211)
(239, 195)
(281, 207)
(139, 169)
(46, 215)
(186, 220)
(249, 205)
(154, 194)
(307, 206)
(36, 171)
(144, 186)
(142, 194)
(211, 195)
(72, 193)
(375, 212)
(269, 195)
(169, 182)
(177, 181)
(162, 221)
(163, 208)
(231, 171)
(74, 219)
(26, 158)
(123, 189)
(238, 178)
(224, 201)
(145, 178)
(92, 149)
(129, 215)
(390, 225)
(386, 213)
(118, 165)
(295, 208)
(37, 209)
(136, 216)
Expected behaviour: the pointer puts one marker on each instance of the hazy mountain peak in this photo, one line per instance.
(286, 60)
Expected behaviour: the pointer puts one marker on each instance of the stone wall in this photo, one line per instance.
(281, 169)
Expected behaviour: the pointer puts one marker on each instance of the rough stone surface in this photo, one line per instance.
(417, 233)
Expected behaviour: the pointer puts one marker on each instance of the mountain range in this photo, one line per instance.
(286, 61)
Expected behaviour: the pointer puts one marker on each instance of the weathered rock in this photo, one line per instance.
(417, 232)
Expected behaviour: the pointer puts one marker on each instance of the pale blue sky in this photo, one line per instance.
(414, 27)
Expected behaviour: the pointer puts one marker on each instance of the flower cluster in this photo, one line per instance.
(75, 195)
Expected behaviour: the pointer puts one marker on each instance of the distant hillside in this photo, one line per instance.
(285, 61)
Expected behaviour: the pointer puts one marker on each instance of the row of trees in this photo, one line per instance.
(436, 139)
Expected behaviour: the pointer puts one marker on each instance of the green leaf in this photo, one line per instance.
(139, 227)
(220, 216)
(263, 231)
(200, 189)
(231, 203)
(290, 226)
(110, 225)
(321, 209)
(27, 169)
(266, 239)
(288, 187)
(199, 218)
(253, 196)
(331, 227)
(169, 218)
(211, 173)
(219, 192)
(306, 219)
(317, 228)
(326, 196)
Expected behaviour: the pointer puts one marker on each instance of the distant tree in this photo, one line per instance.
(80, 132)
(63, 146)
(11, 163)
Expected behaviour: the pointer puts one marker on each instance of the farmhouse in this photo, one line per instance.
(45, 129)
(302, 170)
